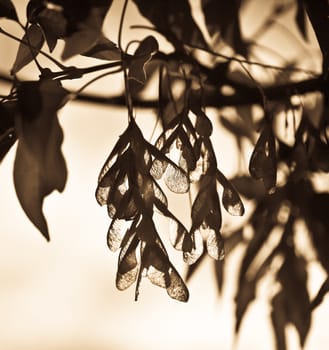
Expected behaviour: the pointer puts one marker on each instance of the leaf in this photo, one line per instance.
(231, 199)
(7, 10)
(39, 166)
(278, 317)
(104, 49)
(162, 273)
(177, 288)
(192, 247)
(143, 54)
(324, 289)
(294, 295)
(176, 179)
(128, 264)
(223, 16)
(245, 295)
(215, 245)
(300, 19)
(116, 232)
(206, 208)
(53, 24)
(87, 33)
(317, 12)
(174, 20)
(263, 159)
(33, 42)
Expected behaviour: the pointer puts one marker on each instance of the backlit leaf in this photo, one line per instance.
(176, 179)
(128, 265)
(177, 288)
(231, 199)
(33, 42)
(7, 10)
(39, 166)
(146, 49)
(215, 245)
(116, 232)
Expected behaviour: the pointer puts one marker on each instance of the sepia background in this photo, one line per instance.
(61, 295)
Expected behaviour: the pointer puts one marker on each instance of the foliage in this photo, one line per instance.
(281, 189)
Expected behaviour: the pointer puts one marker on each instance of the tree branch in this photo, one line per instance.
(243, 94)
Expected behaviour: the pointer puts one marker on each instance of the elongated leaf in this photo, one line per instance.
(173, 19)
(177, 288)
(39, 164)
(279, 319)
(33, 41)
(300, 19)
(7, 10)
(245, 295)
(146, 49)
(192, 247)
(294, 295)
(215, 245)
(128, 264)
(317, 12)
(263, 159)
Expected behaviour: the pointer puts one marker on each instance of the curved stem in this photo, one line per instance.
(83, 87)
(123, 13)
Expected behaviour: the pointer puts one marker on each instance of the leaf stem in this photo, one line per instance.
(83, 87)
(123, 13)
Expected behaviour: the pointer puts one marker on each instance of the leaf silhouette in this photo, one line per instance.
(174, 20)
(52, 22)
(39, 166)
(104, 49)
(300, 19)
(33, 42)
(143, 54)
(263, 159)
(294, 296)
(224, 16)
(87, 32)
(7, 10)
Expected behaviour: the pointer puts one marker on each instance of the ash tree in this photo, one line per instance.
(211, 65)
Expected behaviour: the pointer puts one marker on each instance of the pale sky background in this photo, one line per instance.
(61, 295)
